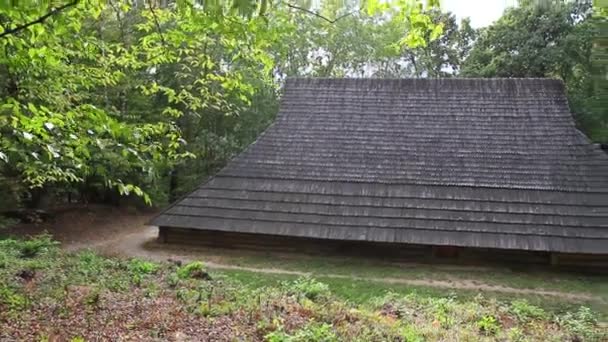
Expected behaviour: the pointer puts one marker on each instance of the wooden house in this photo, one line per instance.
(467, 169)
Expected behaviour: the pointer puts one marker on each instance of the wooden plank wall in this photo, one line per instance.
(396, 252)
(275, 243)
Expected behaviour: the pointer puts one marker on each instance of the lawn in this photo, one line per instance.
(49, 295)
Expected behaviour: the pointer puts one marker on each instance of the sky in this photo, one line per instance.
(481, 12)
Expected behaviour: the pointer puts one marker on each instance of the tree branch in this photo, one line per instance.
(160, 32)
(39, 20)
(318, 15)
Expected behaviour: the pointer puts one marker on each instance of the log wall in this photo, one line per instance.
(397, 252)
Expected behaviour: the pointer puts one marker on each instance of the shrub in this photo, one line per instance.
(309, 288)
(525, 311)
(488, 325)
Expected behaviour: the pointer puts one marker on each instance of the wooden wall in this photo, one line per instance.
(396, 252)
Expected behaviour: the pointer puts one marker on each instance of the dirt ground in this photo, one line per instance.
(123, 232)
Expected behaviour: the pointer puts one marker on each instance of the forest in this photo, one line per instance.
(140, 101)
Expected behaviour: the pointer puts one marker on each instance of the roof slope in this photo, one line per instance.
(494, 163)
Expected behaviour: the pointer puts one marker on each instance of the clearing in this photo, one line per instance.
(389, 294)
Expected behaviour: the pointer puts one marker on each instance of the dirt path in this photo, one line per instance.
(113, 231)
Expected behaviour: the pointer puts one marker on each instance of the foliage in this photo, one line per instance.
(580, 323)
(31, 247)
(191, 270)
(313, 332)
(11, 299)
(443, 56)
(372, 44)
(309, 288)
(147, 98)
(525, 312)
(554, 40)
(596, 122)
(140, 268)
(488, 325)
(137, 266)
(84, 295)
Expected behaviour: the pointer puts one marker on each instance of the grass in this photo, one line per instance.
(318, 266)
(47, 294)
(362, 291)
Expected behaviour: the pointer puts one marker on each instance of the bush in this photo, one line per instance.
(309, 288)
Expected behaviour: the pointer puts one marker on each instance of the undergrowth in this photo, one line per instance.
(45, 293)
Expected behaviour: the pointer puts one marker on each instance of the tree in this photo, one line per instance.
(360, 44)
(543, 40)
(84, 105)
(144, 97)
(596, 121)
(441, 57)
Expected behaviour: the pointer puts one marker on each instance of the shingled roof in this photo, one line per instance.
(493, 163)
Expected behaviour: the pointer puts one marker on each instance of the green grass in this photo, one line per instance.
(361, 291)
(370, 268)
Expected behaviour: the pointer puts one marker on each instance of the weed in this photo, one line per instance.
(316, 333)
(410, 334)
(581, 324)
(525, 312)
(488, 325)
(309, 288)
(13, 300)
(278, 307)
(172, 280)
(141, 267)
(194, 269)
(277, 336)
(92, 298)
(443, 308)
(516, 335)
(35, 245)
(313, 332)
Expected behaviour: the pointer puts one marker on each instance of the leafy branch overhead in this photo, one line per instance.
(39, 20)
(120, 94)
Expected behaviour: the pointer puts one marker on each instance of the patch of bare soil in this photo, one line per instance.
(81, 226)
(123, 232)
